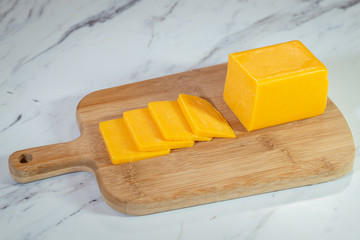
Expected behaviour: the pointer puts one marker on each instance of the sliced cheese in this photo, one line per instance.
(120, 145)
(275, 84)
(203, 118)
(146, 134)
(171, 121)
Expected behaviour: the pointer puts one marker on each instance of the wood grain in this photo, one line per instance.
(300, 153)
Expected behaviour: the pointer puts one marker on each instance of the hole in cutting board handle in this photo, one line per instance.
(25, 158)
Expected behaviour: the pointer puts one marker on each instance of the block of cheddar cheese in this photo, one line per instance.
(275, 84)
(120, 145)
(203, 117)
(171, 121)
(145, 133)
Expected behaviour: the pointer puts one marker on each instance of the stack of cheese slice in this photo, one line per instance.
(153, 131)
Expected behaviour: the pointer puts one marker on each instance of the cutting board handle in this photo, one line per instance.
(47, 161)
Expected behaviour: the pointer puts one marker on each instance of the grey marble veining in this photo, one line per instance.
(53, 53)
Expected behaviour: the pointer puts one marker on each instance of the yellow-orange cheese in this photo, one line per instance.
(145, 133)
(120, 145)
(171, 122)
(275, 84)
(203, 118)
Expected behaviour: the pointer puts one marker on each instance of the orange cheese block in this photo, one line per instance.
(146, 134)
(171, 122)
(275, 84)
(203, 118)
(120, 145)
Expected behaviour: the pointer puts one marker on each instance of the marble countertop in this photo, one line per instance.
(53, 53)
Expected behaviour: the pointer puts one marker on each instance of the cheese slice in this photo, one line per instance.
(146, 134)
(275, 84)
(203, 118)
(171, 122)
(120, 145)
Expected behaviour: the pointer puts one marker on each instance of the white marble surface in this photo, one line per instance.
(52, 53)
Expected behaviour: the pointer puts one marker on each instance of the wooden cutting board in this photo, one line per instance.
(299, 153)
